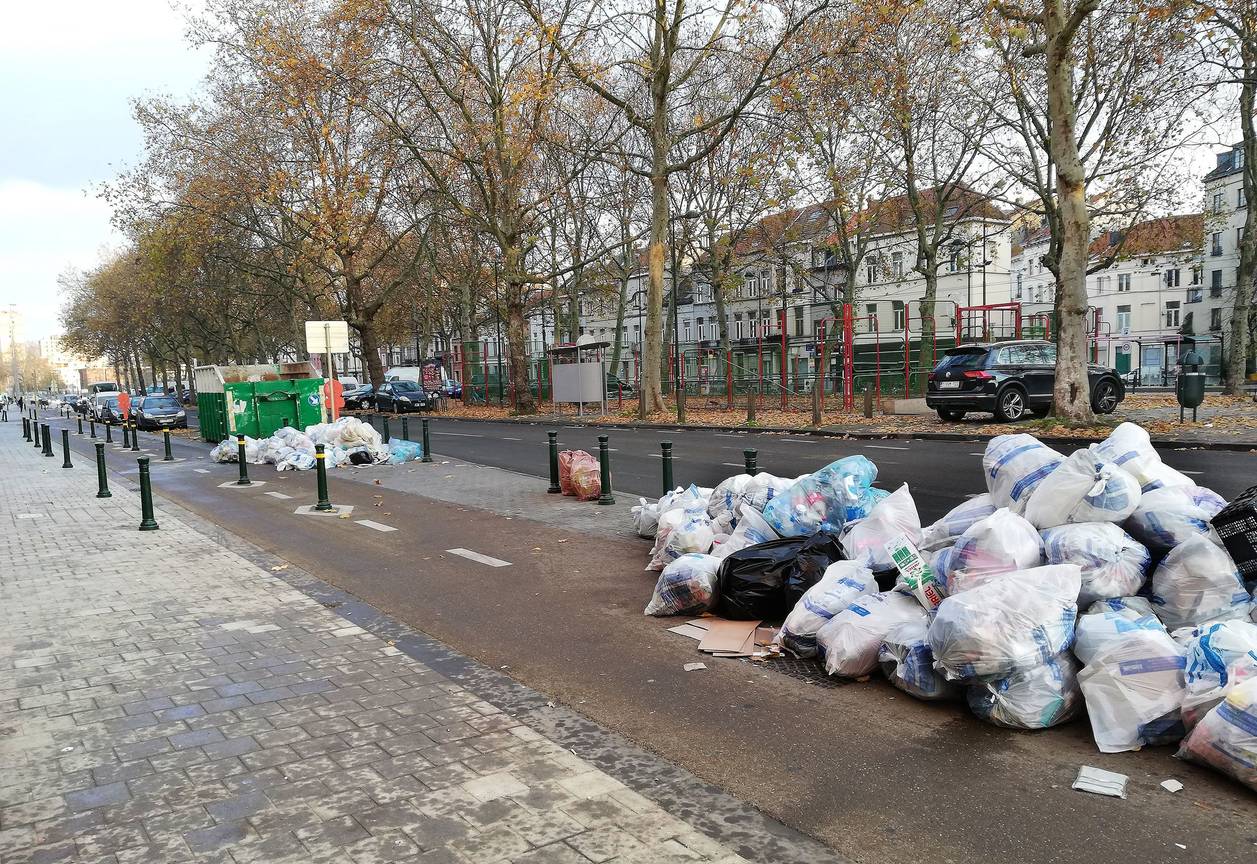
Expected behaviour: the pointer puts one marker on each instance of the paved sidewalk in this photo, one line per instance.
(164, 699)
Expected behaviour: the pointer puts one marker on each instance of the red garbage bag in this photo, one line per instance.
(566, 458)
(586, 476)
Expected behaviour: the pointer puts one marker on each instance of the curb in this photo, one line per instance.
(1226, 446)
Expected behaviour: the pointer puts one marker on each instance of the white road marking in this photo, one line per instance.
(478, 558)
(733, 464)
(374, 526)
(458, 434)
(509, 438)
(1185, 471)
(201, 470)
(797, 440)
(884, 447)
(977, 454)
(280, 495)
(728, 434)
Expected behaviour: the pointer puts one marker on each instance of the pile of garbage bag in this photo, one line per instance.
(1090, 583)
(348, 441)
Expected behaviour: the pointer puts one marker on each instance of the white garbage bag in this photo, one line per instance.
(958, 520)
(1113, 563)
(825, 500)
(687, 586)
(1083, 488)
(645, 517)
(1196, 584)
(1216, 655)
(1035, 698)
(851, 638)
(1226, 739)
(842, 583)
(764, 487)
(1129, 447)
(1001, 543)
(1134, 689)
(750, 531)
(1108, 621)
(1166, 517)
(694, 534)
(725, 497)
(1014, 465)
(1008, 624)
(908, 663)
(866, 539)
(296, 460)
(663, 530)
(225, 451)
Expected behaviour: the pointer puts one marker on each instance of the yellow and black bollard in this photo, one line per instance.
(244, 465)
(320, 464)
(168, 457)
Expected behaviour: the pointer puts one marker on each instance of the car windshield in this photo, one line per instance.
(108, 399)
(405, 386)
(968, 359)
(161, 402)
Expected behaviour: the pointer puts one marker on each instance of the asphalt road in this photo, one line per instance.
(876, 775)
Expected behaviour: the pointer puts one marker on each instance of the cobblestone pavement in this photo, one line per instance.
(166, 699)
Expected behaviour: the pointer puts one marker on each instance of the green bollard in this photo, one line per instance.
(26, 429)
(147, 522)
(135, 438)
(80, 420)
(169, 457)
(320, 464)
(48, 441)
(101, 479)
(35, 430)
(244, 466)
(666, 447)
(427, 448)
(604, 465)
(748, 456)
(405, 428)
(555, 488)
(385, 434)
(65, 448)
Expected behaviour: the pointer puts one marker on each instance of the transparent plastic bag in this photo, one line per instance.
(1107, 621)
(819, 502)
(908, 662)
(693, 533)
(1113, 563)
(1011, 623)
(1226, 739)
(296, 460)
(1129, 447)
(1001, 543)
(751, 530)
(1168, 516)
(895, 515)
(400, 451)
(1198, 583)
(1083, 488)
(1216, 655)
(842, 583)
(1036, 698)
(645, 516)
(1014, 465)
(958, 520)
(687, 586)
(668, 521)
(727, 495)
(1134, 688)
(586, 477)
(852, 638)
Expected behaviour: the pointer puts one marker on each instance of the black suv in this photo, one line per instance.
(1009, 379)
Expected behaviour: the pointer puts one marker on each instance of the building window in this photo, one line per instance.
(1102, 284)
(1019, 285)
(896, 265)
(1237, 161)
(1219, 201)
(1215, 246)
(897, 307)
(871, 270)
(1215, 281)
(1195, 295)
(685, 330)
(1239, 198)
(870, 309)
(1123, 319)
(1171, 278)
(1215, 318)
(1123, 281)
(1171, 313)
(953, 263)
(1196, 273)
(737, 325)
(798, 320)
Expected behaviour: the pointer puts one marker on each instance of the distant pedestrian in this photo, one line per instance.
(21, 404)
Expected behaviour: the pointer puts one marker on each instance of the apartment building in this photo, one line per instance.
(1225, 214)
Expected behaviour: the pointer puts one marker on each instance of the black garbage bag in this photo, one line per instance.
(764, 581)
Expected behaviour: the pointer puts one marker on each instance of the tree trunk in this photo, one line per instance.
(1071, 395)
(139, 370)
(652, 353)
(1237, 350)
(516, 340)
(621, 303)
(370, 351)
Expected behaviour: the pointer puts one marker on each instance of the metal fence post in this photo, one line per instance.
(91, 427)
(65, 448)
(748, 457)
(666, 448)
(147, 522)
(427, 447)
(244, 465)
(169, 457)
(320, 463)
(26, 429)
(102, 481)
(604, 465)
(108, 433)
(126, 433)
(405, 428)
(554, 463)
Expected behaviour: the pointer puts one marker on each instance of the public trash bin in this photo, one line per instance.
(1190, 387)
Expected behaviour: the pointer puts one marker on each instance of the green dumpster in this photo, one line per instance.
(256, 400)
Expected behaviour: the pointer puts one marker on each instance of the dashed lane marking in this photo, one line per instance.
(201, 470)
(884, 447)
(478, 558)
(457, 434)
(509, 438)
(374, 526)
(733, 464)
(280, 495)
(797, 440)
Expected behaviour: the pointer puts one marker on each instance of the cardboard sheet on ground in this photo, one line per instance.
(728, 636)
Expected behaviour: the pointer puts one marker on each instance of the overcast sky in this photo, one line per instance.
(68, 69)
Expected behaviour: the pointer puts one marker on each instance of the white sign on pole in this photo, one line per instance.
(327, 337)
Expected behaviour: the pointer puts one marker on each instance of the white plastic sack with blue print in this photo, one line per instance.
(764, 487)
(1009, 624)
(1167, 517)
(1014, 465)
(1113, 563)
(1001, 543)
(852, 638)
(687, 586)
(820, 501)
(1035, 698)
(727, 494)
(865, 540)
(1083, 488)
(908, 663)
(1196, 584)
(1216, 655)
(1107, 621)
(958, 520)
(842, 583)
(693, 533)
(1129, 447)
(1134, 691)
(1227, 738)
(750, 531)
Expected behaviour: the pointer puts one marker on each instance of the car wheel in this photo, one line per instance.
(1010, 405)
(950, 414)
(1104, 398)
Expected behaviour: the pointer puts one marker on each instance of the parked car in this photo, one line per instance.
(159, 412)
(451, 389)
(401, 397)
(359, 397)
(105, 408)
(70, 400)
(1010, 380)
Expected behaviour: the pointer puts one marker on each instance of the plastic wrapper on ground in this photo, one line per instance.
(843, 583)
(1083, 488)
(1129, 447)
(820, 501)
(1134, 691)
(1036, 698)
(1216, 655)
(1226, 739)
(895, 515)
(852, 638)
(907, 661)
(1113, 563)
(1107, 621)
(686, 586)
(1009, 624)
(1197, 583)
(1169, 516)
(1014, 465)
(1001, 543)
(958, 520)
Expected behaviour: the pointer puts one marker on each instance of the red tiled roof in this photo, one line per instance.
(1163, 234)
